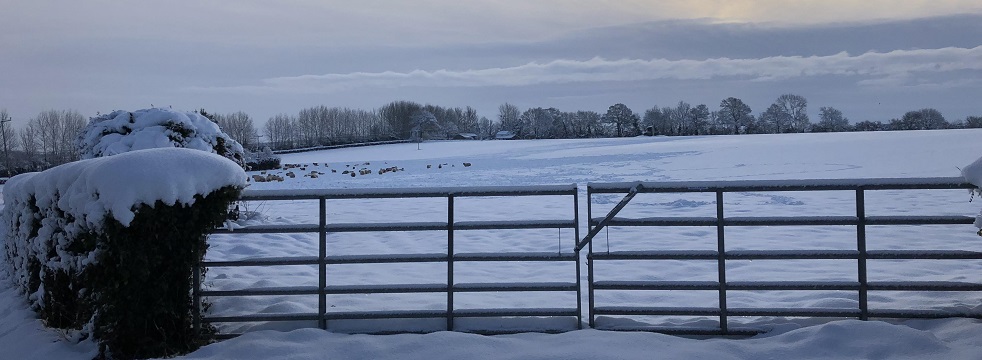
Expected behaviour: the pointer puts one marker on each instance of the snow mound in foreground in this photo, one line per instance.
(844, 339)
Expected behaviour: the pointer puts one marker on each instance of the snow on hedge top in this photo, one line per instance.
(122, 131)
(973, 173)
(118, 184)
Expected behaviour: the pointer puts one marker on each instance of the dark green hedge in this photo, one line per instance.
(136, 293)
(264, 164)
(145, 277)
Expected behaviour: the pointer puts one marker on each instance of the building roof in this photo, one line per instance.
(504, 135)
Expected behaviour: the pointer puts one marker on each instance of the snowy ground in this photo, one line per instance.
(442, 164)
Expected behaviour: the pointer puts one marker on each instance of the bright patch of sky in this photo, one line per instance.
(391, 22)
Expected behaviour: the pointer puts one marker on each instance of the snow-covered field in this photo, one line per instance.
(442, 164)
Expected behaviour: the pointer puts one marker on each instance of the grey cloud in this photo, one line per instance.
(894, 68)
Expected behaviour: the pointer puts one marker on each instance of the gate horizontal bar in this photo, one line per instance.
(923, 314)
(785, 185)
(648, 310)
(706, 311)
(924, 286)
(500, 287)
(400, 226)
(788, 221)
(688, 331)
(515, 312)
(923, 254)
(383, 193)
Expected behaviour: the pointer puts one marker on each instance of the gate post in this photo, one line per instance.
(450, 251)
(721, 261)
(589, 258)
(576, 237)
(196, 295)
(861, 247)
(322, 266)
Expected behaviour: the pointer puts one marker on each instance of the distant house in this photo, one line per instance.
(465, 136)
(504, 135)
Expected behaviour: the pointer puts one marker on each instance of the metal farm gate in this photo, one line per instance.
(451, 227)
(713, 317)
(859, 256)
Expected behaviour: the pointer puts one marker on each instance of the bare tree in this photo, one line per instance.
(424, 124)
(508, 117)
(973, 122)
(486, 128)
(279, 131)
(586, 124)
(716, 126)
(29, 142)
(54, 133)
(398, 116)
(73, 124)
(831, 120)
(539, 123)
(9, 140)
(49, 128)
(923, 119)
(699, 120)
(681, 118)
(735, 114)
(622, 117)
(562, 124)
(49, 138)
(795, 106)
(658, 120)
(306, 128)
(322, 125)
(775, 120)
(239, 126)
(469, 121)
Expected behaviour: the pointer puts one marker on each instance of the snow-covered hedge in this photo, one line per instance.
(263, 160)
(122, 131)
(107, 246)
(973, 174)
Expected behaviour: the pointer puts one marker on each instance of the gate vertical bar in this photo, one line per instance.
(861, 247)
(322, 266)
(589, 257)
(721, 261)
(450, 252)
(196, 295)
(576, 236)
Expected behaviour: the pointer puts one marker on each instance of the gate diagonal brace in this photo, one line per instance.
(610, 216)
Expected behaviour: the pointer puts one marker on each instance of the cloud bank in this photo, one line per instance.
(894, 68)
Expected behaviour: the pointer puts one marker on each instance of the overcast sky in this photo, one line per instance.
(872, 59)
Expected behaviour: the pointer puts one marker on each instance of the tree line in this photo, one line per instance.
(48, 139)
